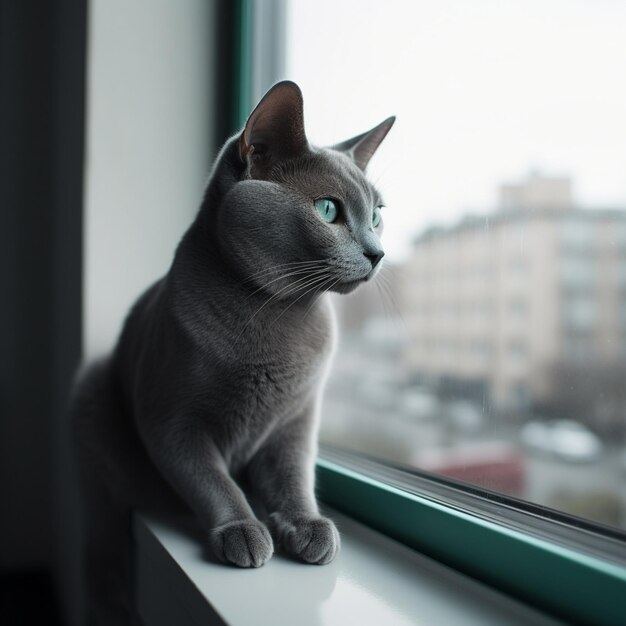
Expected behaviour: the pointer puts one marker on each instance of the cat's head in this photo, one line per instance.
(302, 219)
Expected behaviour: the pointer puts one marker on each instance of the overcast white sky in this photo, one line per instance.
(484, 91)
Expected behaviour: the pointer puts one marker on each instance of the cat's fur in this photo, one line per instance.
(216, 378)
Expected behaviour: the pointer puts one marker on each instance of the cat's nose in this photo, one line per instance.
(374, 257)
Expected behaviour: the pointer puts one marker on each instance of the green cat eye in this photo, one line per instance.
(327, 209)
(376, 216)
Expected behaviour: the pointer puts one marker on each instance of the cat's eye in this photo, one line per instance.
(376, 216)
(327, 208)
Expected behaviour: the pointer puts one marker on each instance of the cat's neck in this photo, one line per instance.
(206, 290)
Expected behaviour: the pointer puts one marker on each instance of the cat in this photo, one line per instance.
(216, 378)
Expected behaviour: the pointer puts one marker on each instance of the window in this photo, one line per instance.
(577, 272)
(497, 178)
(580, 312)
(517, 349)
(518, 307)
(473, 125)
(579, 347)
(619, 236)
(621, 274)
(578, 234)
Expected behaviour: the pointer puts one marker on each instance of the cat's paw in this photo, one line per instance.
(245, 543)
(309, 539)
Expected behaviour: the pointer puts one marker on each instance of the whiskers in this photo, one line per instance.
(305, 276)
(390, 306)
(283, 267)
(326, 284)
(308, 279)
(285, 271)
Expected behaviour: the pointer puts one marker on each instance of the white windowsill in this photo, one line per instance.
(374, 580)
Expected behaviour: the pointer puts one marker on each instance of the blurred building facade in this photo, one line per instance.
(514, 305)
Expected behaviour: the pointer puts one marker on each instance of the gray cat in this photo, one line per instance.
(214, 385)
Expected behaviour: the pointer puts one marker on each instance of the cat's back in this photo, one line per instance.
(99, 406)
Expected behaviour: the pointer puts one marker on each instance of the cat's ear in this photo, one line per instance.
(362, 147)
(275, 129)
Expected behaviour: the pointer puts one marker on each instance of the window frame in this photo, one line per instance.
(554, 576)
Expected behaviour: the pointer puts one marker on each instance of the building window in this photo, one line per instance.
(518, 307)
(517, 349)
(519, 265)
(481, 348)
(577, 272)
(578, 234)
(580, 313)
(621, 273)
(579, 347)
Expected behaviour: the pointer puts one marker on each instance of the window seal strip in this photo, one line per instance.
(429, 516)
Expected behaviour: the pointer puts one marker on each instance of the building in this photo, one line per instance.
(502, 306)
(537, 192)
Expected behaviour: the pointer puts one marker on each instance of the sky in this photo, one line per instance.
(484, 92)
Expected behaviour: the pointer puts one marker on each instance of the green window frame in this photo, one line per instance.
(580, 578)
(235, 19)
(568, 579)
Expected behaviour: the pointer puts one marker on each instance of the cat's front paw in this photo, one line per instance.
(310, 539)
(245, 543)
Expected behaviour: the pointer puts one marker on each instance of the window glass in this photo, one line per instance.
(491, 348)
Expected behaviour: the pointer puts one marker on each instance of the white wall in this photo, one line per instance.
(150, 83)
(149, 146)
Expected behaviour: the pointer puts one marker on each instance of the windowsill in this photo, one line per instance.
(374, 580)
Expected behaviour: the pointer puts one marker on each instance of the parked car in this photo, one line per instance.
(465, 416)
(419, 403)
(565, 439)
(495, 465)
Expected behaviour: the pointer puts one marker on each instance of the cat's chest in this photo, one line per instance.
(249, 387)
(270, 387)
(278, 370)
(262, 397)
